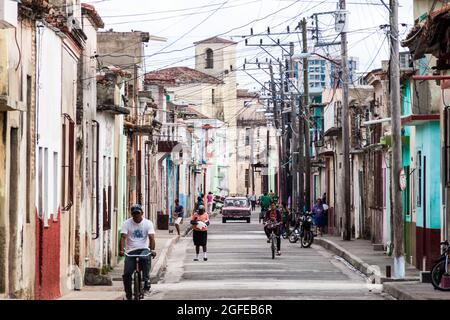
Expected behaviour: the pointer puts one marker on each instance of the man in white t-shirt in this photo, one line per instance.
(139, 235)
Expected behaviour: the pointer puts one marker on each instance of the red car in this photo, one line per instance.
(236, 208)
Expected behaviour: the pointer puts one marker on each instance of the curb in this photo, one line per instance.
(370, 271)
(158, 269)
(397, 293)
(160, 266)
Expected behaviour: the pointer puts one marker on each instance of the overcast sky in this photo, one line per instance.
(183, 22)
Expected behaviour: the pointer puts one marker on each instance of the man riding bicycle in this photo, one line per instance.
(139, 235)
(273, 216)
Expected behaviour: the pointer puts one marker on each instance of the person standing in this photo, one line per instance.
(209, 199)
(265, 203)
(199, 201)
(139, 235)
(318, 212)
(200, 223)
(178, 215)
(253, 201)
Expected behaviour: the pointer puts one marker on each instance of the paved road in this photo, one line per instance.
(240, 266)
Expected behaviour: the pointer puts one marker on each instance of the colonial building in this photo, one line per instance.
(17, 150)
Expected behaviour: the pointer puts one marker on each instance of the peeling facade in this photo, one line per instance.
(17, 172)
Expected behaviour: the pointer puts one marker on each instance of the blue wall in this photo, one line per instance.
(428, 142)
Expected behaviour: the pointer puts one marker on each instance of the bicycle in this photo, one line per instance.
(272, 226)
(440, 277)
(138, 288)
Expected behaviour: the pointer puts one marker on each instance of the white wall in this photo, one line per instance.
(49, 87)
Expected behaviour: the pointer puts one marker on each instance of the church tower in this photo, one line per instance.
(217, 57)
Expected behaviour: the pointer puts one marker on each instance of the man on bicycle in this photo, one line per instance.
(273, 216)
(139, 235)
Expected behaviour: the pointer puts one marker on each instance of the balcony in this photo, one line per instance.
(169, 137)
(109, 98)
(332, 118)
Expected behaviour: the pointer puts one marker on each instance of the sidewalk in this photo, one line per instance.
(361, 255)
(164, 244)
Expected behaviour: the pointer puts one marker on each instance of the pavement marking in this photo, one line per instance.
(235, 237)
(275, 285)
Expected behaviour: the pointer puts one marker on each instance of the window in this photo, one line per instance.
(209, 59)
(41, 183)
(247, 136)
(247, 178)
(55, 185)
(406, 193)
(419, 178)
(45, 186)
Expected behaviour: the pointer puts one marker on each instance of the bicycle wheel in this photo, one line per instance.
(272, 240)
(307, 239)
(437, 272)
(293, 238)
(137, 286)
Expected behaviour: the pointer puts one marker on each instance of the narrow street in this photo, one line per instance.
(239, 266)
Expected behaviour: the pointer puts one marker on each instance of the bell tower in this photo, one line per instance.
(217, 57)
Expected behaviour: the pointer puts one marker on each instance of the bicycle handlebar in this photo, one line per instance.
(137, 255)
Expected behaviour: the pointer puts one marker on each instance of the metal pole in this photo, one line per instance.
(399, 258)
(284, 168)
(345, 190)
(295, 140)
(275, 114)
(306, 120)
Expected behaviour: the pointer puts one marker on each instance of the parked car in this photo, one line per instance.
(236, 208)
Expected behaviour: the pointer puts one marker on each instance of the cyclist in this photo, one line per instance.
(273, 215)
(139, 235)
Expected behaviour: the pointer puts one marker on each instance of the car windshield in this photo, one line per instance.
(235, 203)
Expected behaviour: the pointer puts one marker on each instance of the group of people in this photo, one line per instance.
(138, 239)
(281, 217)
(138, 233)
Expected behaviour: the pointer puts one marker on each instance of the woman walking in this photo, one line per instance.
(200, 223)
(319, 217)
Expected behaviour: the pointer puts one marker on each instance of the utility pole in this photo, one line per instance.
(282, 150)
(399, 258)
(345, 190)
(275, 112)
(298, 140)
(306, 120)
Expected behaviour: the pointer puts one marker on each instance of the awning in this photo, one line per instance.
(408, 120)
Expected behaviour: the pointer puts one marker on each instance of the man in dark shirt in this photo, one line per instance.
(273, 216)
(178, 215)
